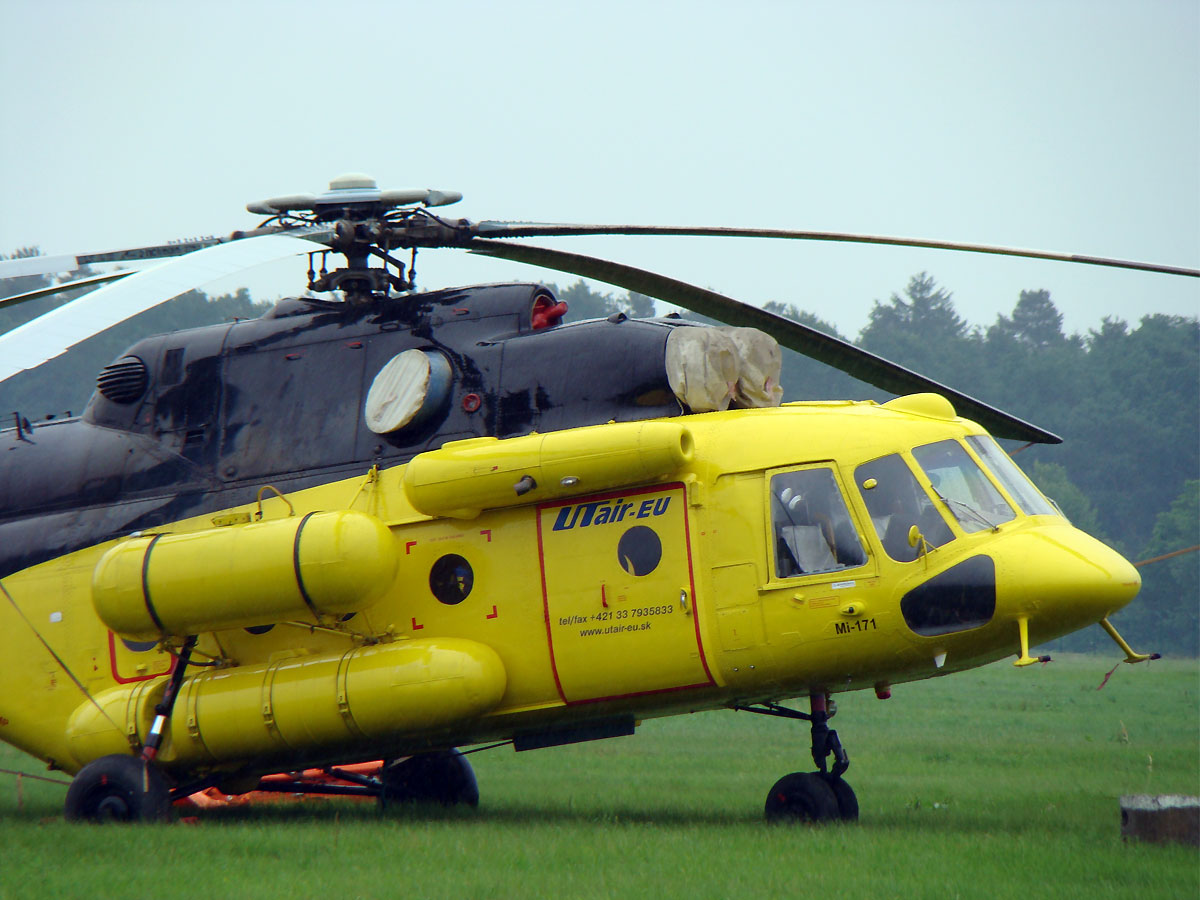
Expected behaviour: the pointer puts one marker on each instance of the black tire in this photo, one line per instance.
(443, 777)
(801, 797)
(118, 788)
(847, 802)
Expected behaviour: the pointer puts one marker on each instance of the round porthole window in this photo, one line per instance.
(451, 579)
(639, 550)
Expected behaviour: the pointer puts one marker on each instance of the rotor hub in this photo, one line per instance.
(355, 196)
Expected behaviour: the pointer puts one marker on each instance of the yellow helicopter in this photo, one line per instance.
(394, 524)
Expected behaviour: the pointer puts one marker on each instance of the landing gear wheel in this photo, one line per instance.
(801, 797)
(118, 788)
(443, 777)
(847, 803)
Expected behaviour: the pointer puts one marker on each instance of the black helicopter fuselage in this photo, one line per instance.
(199, 420)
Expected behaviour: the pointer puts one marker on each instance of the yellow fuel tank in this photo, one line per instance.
(465, 477)
(305, 705)
(323, 564)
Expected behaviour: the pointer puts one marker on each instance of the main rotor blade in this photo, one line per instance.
(868, 367)
(65, 286)
(50, 265)
(52, 334)
(536, 229)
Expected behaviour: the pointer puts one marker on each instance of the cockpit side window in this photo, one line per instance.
(896, 503)
(961, 484)
(812, 528)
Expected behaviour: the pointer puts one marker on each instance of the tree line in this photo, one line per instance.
(1125, 398)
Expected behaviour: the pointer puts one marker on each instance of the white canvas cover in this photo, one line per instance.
(714, 368)
(398, 392)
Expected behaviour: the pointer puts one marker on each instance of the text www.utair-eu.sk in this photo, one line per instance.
(615, 629)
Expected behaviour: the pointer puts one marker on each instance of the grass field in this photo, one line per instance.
(998, 783)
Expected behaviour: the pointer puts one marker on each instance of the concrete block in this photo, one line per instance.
(1161, 818)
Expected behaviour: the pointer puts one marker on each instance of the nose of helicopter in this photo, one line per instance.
(1063, 579)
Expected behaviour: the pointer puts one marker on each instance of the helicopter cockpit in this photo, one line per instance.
(897, 501)
(937, 494)
(814, 532)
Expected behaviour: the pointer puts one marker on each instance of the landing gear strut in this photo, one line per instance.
(120, 788)
(819, 796)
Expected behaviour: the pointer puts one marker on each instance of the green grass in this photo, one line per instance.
(996, 783)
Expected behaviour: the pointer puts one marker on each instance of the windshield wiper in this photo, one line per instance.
(969, 510)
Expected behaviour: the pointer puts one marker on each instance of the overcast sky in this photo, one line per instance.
(1071, 126)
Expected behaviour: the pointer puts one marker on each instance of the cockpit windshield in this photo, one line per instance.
(896, 503)
(961, 484)
(1011, 478)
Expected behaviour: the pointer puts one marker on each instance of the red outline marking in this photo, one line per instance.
(493, 613)
(687, 542)
(487, 533)
(415, 626)
(112, 660)
(408, 547)
(546, 606)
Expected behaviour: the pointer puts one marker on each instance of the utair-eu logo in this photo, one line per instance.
(608, 512)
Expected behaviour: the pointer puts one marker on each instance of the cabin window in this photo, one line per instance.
(812, 527)
(451, 579)
(896, 503)
(1010, 476)
(961, 485)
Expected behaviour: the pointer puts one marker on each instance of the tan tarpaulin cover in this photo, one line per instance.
(715, 368)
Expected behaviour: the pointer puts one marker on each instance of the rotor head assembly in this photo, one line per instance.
(361, 221)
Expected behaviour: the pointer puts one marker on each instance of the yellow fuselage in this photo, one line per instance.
(641, 578)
